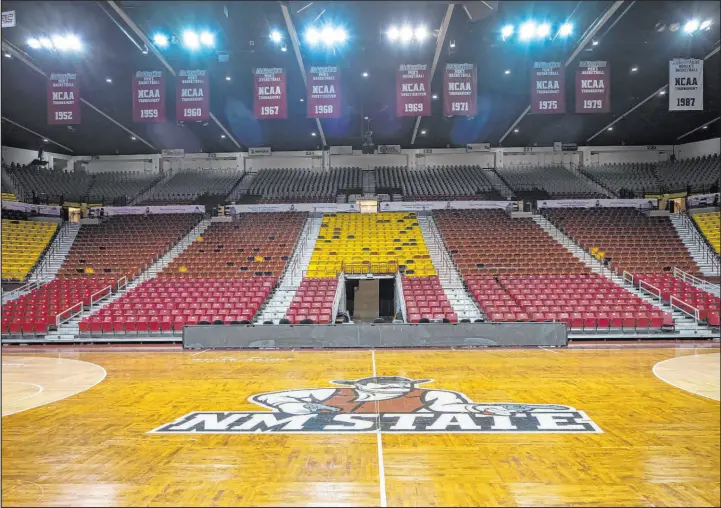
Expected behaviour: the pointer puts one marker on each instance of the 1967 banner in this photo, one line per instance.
(148, 97)
(269, 93)
(63, 98)
(192, 98)
(459, 90)
(324, 92)
(593, 87)
(548, 88)
(413, 90)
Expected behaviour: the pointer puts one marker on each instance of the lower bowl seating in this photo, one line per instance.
(313, 301)
(425, 299)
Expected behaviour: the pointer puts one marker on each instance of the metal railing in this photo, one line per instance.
(627, 277)
(699, 241)
(52, 254)
(367, 268)
(69, 314)
(294, 271)
(18, 292)
(649, 289)
(103, 293)
(714, 289)
(338, 297)
(401, 298)
(685, 308)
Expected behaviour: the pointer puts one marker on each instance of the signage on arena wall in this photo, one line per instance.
(151, 210)
(603, 203)
(149, 97)
(702, 199)
(169, 153)
(323, 91)
(341, 150)
(261, 150)
(389, 149)
(269, 98)
(548, 88)
(8, 19)
(29, 209)
(413, 90)
(478, 147)
(63, 98)
(460, 90)
(593, 87)
(413, 206)
(685, 84)
(296, 207)
(192, 98)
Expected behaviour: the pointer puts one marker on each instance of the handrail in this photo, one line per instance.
(626, 276)
(650, 290)
(106, 288)
(60, 320)
(338, 294)
(401, 297)
(700, 241)
(695, 314)
(707, 286)
(16, 293)
(124, 280)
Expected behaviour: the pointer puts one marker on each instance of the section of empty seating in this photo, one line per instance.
(23, 243)
(52, 185)
(626, 238)
(184, 187)
(686, 296)
(304, 185)
(108, 187)
(370, 242)
(638, 177)
(709, 223)
(700, 173)
(426, 300)
(436, 182)
(7, 196)
(313, 301)
(542, 182)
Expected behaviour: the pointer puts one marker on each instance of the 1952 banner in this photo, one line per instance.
(192, 98)
(459, 90)
(63, 98)
(593, 87)
(548, 88)
(148, 97)
(324, 92)
(413, 90)
(269, 93)
(685, 87)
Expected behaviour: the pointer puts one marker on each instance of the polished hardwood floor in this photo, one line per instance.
(660, 444)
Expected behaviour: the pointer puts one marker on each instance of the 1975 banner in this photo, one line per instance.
(548, 88)
(269, 93)
(192, 99)
(63, 98)
(413, 90)
(324, 92)
(148, 97)
(459, 90)
(593, 87)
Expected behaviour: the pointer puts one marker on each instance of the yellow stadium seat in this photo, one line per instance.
(709, 223)
(23, 242)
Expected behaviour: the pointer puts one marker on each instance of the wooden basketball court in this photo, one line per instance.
(76, 429)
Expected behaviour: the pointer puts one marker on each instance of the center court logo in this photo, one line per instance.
(388, 404)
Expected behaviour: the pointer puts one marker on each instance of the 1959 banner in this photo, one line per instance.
(324, 92)
(148, 97)
(548, 88)
(63, 98)
(413, 90)
(269, 93)
(593, 87)
(459, 90)
(192, 98)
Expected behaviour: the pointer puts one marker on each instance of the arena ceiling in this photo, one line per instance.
(629, 38)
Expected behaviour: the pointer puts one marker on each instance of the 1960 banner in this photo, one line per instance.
(192, 98)
(63, 98)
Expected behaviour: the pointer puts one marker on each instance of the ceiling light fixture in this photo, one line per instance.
(507, 31)
(312, 134)
(434, 96)
(190, 40)
(423, 132)
(706, 25)
(691, 26)
(565, 30)
(108, 80)
(527, 30)
(406, 34)
(276, 36)
(33, 43)
(227, 78)
(543, 30)
(515, 131)
(222, 136)
(365, 74)
(507, 71)
(207, 39)
(160, 40)
(393, 33)
(595, 43)
(610, 128)
(132, 138)
(634, 69)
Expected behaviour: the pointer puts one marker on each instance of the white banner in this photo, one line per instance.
(603, 203)
(8, 19)
(702, 200)
(150, 210)
(28, 208)
(341, 150)
(178, 153)
(389, 149)
(478, 147)
(414, 206)
(262, 150)
(299, 207)
(685, 84)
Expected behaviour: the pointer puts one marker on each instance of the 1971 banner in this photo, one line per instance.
(269, 93)
(413, 90)
(192, 98)
(459, 90)
(63, 98)
(548, 88)
(593, 87)
(148, 97)
(324, 92)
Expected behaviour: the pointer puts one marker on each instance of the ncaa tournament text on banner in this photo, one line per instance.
(192, 100)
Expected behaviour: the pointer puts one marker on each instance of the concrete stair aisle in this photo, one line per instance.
(148, 193)
(498, 183)
(54, 258)
(369, 182)
(241, 187)
(598, 186)
(702, 254)
(463, 304)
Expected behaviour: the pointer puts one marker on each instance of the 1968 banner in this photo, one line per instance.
(548, 88)
(459, 90)
(63, 98)
(192, 98)
(324, 92)
(149, 97)
(269, 93)
(413, 90)
(593, 87)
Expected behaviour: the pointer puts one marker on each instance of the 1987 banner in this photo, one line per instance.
(548, 88)
(148, 97)
(269, 93)
(685, 88)
(192, 99)
(324, 92)
(63, 98)
(459, 90)
(413, 90)
(593, 87)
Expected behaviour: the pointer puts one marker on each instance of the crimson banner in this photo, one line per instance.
(148, 97)
(413, 90)
(324, 92)
(593, 87)
(548, 88)
(63, 98)
(192, 97)
(270, 100)
(459, 90)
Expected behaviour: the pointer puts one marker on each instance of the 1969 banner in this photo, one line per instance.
(548, 88)
(269, 93)
(149, 97)
(593, 87)
(324, 92)
(459, 90)
(413, 90)
(63, 98)
(192, 98)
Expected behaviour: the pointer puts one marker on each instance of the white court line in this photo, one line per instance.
(379, 440)
(203, 351)
(673, 384)
(26, 383)
(549, 350)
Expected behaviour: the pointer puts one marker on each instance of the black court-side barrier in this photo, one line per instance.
(374, 335)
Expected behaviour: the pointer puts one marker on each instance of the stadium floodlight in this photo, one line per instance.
(393, 33)
(565, 30)
(423, 132)
(662, 92)
(634, 69)
(328, 35)
(421, 33)
(507, 31)
(312, 134)
(610, 128)
(222, 136)
(365, 74)
(46, 43)
(160, 40)
(227, 78)
(108, 80)
(74, 42)
(527, 30)
(132, 138)
(515, 131)
(543, 30)
(284, 48)
(595, 43)
(45, 140)
(60, 43)
(706, 25)
(207, 39)
(7, 55)
(340, 35)
(191, 40)
(691, 26)
(312, 36)
(434, 96)
(406, 34)
(507, 71)
(34, 43)
(276, 36)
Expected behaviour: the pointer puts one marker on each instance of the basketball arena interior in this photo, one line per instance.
(360, 253)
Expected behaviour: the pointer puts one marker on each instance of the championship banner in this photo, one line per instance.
(151, 210)
(32, 209)
(593, 87)
(192, 98)
(478, 147)
(389, 149)
(602, 203)
(548, 88)
(63, 98)
(460, 90)
(413, 90)
(148, 97)
(324, 92)
(685, 84)
(269, 93)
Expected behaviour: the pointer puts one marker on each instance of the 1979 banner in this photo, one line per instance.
(269, 93)
(593, 87)
(63, 98)
(324, 92)
(413, 90)
(192, 99)
(148, 97)
(548, 88)
(459, 90)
